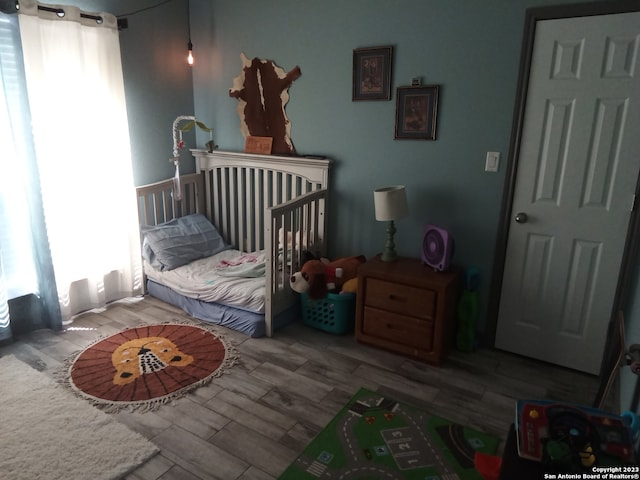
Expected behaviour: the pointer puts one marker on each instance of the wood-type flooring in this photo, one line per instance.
(251, 423)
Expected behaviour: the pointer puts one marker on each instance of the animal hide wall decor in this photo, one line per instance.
(262, 90)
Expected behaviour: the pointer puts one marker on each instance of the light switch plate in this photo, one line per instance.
(492, 162)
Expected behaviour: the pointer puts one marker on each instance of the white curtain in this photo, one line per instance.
(76, 95)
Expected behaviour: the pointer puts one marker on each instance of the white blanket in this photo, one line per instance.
(215, 279)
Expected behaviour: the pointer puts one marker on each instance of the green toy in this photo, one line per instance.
(468, 308)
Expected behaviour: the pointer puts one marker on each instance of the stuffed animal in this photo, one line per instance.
(290, 236)
(350, 286)
(318, 278)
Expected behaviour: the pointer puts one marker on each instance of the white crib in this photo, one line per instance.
(257, 202)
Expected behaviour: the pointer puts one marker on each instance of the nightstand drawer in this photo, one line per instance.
(403, 299)
(398, 328)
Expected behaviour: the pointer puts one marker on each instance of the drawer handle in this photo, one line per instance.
(391, 326)
(397, 298)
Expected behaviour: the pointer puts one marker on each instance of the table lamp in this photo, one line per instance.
(390, 205)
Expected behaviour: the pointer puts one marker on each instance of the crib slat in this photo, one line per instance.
(146, 205)
(223, 199)
(211, 192)
(255, 210)
(243, 241)
(246, 214)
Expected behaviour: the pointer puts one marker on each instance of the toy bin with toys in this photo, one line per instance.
(335, 313)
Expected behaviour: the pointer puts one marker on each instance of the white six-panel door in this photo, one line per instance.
(577, 172)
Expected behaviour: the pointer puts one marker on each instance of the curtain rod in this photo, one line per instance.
(13, 6)
(122, 22)
(60, 13)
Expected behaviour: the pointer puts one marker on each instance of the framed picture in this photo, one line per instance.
(372, 73)
(416, 112)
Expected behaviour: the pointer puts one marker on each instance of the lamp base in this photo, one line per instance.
(389, 253)
(388, 256)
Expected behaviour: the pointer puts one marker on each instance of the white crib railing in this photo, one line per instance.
(257, 202)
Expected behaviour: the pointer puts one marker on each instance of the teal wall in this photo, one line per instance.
(158, 84)
(470, 48)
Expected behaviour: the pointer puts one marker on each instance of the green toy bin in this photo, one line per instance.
(334, 314)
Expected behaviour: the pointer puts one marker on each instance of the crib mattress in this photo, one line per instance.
(249, 323)
(230, 278)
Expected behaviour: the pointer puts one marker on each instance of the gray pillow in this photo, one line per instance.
(181, 241)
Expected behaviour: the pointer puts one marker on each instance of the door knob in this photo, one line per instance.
(521, 217)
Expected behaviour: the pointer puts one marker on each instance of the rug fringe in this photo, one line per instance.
(232, 357)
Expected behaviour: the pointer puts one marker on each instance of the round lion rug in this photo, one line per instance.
(147, 366)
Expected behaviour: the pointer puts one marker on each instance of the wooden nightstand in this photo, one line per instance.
(407, 307)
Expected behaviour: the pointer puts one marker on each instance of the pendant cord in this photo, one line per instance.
(189, 20)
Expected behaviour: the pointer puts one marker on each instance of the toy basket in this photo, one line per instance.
(334, 314)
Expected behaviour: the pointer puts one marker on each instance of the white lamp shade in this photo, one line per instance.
(390, 203)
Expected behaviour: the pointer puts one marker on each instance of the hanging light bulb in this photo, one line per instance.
(190, 56)
(189, 45)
